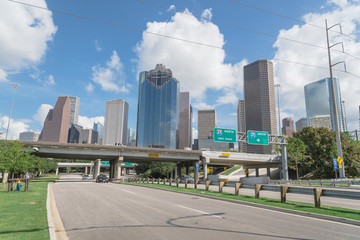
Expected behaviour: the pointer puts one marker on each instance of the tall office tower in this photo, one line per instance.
(116, 121)
(260, 101)
(29, 136)
(287, 127)
(318, 100)
(74, 114)
(301, 123)
(100, 130)
(131, 137)
(158, 109)
(185, 121)
(74, 133)
(241, 123)
(56, 124)
(206, 123)
(88, 136)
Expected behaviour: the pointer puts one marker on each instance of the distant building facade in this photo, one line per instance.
(301, 123)
(56, 124)
(131, 137)
(74, 112)
(29, 136)
(158, 108)
(185, 126)
(116, 122)
(287, 127)
(99, 128)
(241, 123)
(88, 136)
(259, 97)
(74, 133)
(206, 123)
(318, 98)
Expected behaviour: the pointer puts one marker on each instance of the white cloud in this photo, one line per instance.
(109, 77)
(206, 15)
(24, 33)
(89, 87)
(88, 122)
(50, 81)
(3, 76)
(16, 127)
(172, 8)
(198, 68)
(294, 77)
(42, 112)
(97, 46)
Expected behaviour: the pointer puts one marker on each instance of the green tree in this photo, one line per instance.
(296, 151)
(154, 169)
(15, 159)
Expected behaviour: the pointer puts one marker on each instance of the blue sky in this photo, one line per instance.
(51, 54)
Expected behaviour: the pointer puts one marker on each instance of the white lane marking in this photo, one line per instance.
(128, 191)
(195, 210)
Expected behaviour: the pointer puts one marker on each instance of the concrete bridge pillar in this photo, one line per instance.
(196, 170)
(86, 170)
(117, 167)
(176, 171)
(179, 166)
(57, 171)
(205, 162)
(187, 168)
(97, 168)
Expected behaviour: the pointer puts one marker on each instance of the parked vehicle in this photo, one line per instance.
(102, 178)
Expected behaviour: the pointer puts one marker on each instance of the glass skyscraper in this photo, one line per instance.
(158, 108)
(318, 100)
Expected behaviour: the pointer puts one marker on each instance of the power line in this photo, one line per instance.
(287, 17)
(244, 28)
(172, 37)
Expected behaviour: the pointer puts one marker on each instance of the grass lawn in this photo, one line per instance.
(305, 207)
(23, 215)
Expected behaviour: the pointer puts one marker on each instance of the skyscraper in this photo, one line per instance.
(74, 105)
(318, 100)
(99, 128)
(116, 121)
(158, 108)
(29, 136)
(206, 123)
(241, 123)
(185, 121)
(56, 124)
(260, 101)
(287, 127)
(301, 123)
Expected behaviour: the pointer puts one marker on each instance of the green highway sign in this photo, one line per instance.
(256, 137)
(224, 135)
(105, 163)
(129, 164)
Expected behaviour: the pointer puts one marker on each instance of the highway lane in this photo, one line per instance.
(119, 211)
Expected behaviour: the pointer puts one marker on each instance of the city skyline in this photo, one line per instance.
(49, 58)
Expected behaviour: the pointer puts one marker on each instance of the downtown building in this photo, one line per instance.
(241, 123)
(287, 127)
(185, 121)
(29, 136)
(158, 109)
(259, 94)
(56, 124)
(116, 122)
(319, 106)
(301, 123)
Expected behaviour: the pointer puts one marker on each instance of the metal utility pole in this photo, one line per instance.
(278, 103)
(333, 105)
(12, 103)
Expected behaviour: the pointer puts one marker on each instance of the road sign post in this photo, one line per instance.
(335, 166)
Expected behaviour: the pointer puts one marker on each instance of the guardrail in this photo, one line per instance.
(317, 192)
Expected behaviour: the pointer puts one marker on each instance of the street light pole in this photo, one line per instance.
(12, 103)
(278, 103)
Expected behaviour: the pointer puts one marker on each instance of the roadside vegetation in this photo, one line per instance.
(298, 206)
(23, 214)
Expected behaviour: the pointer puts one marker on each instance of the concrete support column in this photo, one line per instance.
(176, 171)
(196, 170)
(187, 169)
(86, 170)
(205, 162)
(91, 167)
(172, 174)
(111, 170)
(117, 165)
(179, 169)
(97, 167)
(57, 171)
(257, 172)
(284, 165)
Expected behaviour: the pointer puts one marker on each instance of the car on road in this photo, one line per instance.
(102, 178)
(187, 177)
(86, 177)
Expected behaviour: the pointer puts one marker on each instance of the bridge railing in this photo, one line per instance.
(283, 189)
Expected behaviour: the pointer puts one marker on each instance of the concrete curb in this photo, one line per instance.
(284, 210)
(56, 227)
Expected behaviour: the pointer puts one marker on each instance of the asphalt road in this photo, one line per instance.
(117, 211)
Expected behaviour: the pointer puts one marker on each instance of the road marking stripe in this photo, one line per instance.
(128, 191)
(195, 210)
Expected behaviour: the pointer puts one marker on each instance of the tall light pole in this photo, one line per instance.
(278, 103)
(12, 103)
(334, 106)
